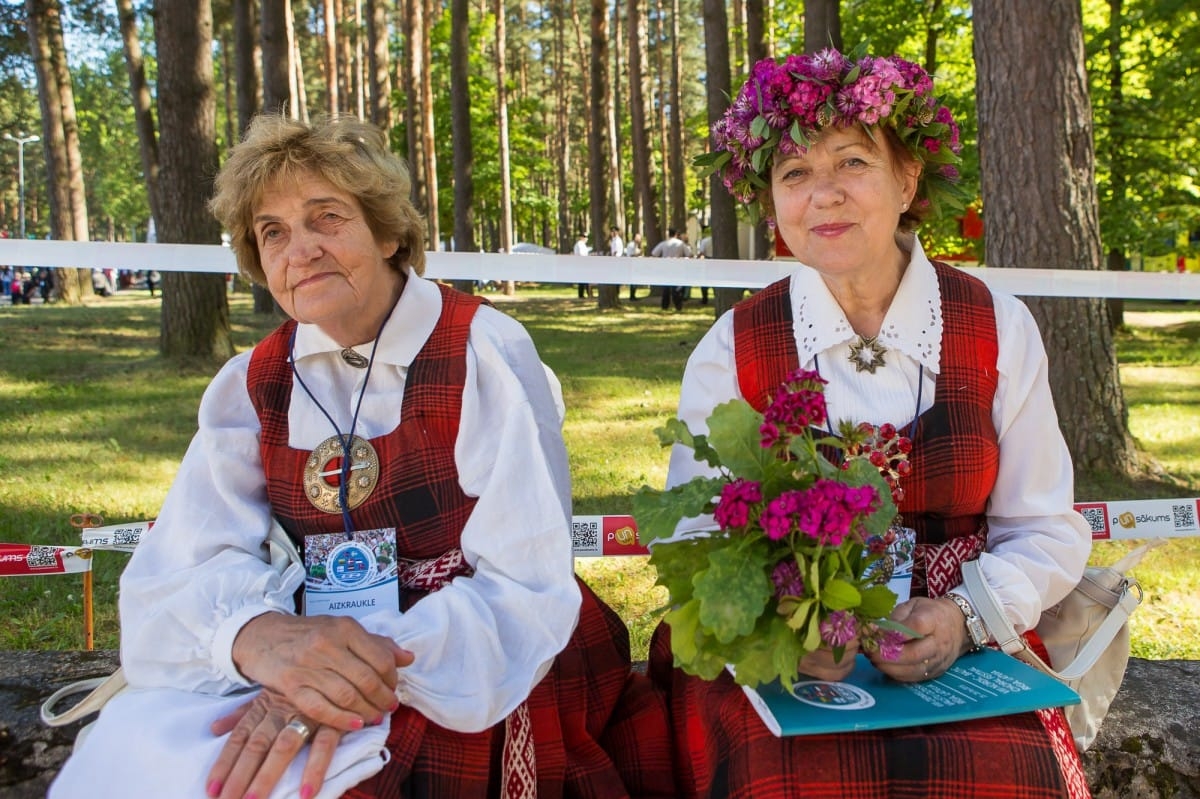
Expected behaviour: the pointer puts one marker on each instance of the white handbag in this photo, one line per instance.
(1086, 635)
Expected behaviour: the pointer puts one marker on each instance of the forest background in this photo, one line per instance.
(535, 121)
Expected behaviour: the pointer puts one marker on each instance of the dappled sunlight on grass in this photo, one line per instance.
(94, 420)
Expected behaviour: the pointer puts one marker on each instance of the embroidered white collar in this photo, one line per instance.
(912, 325)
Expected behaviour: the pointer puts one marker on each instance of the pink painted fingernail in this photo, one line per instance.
(214, 788)
(306, 791)
(250, 796)
(395, 706)
(377, 722)
(357, 724)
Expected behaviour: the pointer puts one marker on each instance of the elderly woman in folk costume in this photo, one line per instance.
(847, 155)
(407, 439)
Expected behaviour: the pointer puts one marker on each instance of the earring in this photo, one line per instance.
(904, 208)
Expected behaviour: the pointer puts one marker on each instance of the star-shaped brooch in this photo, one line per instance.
(867, 354)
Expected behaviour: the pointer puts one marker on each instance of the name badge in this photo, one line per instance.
(895, 567)
(350, 575)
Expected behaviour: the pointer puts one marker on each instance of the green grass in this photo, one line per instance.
(93, 420)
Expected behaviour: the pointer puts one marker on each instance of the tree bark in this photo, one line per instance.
(1038, 182)
(195, 312)
(246, 63)
(643, 180)
(139, 90)
(460, 126)
(676, 170)
(723, 218)
(428, 139)
(757, 25)
(379, 64)
(822, 25)
(562, 133)
(332, 98)
(1117, 178)
(597, 134)
(277, 72)
(60, 137)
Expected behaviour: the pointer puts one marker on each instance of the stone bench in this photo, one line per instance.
(1149, 747)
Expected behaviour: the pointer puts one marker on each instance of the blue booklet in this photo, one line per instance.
(980, 684)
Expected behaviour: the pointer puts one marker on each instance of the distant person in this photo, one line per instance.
(673, 246)
(616, 245)
(152, 280)
(634, 250)
(704, 249)
(6, 280)
(582, 248)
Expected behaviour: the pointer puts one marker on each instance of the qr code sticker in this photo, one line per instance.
(585, 536)
(1094, 518)
(41, 558)
(128, 537)
(1185, 517)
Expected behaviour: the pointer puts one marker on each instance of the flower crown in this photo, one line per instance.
(785, 106)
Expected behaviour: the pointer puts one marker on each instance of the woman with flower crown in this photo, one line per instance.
(847, 155)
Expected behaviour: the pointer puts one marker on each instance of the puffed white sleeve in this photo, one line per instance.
(201, 572)
(483, 642)
(1037, 545)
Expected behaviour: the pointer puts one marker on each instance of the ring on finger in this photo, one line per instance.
(298, 726)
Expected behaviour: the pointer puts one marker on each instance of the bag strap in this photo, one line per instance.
(282, 552)
(1121, 603)
(102, 689)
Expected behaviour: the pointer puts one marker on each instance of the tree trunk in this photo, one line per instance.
(597, 133)
(562, 132)
(757, 25)
(1118, 180)
(660, 112)
(59, 133)
(428, 139)
(332, 99)
(616, 200)
(643, 178)
(822, 25)
(1037, 174)
(723, 218)
(143, 113)
(412, 24)
(676, 171)
(246, 62)
(460, 127)
(379, 64)
(277, 74)
(195, 312)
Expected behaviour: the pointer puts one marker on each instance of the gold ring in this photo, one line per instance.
(298, 726)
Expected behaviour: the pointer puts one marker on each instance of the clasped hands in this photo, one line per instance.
(322, 676)
(943, 639)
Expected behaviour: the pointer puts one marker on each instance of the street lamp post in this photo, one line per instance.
(21, 142)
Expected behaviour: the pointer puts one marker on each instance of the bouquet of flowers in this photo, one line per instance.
(794, 563)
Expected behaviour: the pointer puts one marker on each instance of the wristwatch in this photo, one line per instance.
(975, 629)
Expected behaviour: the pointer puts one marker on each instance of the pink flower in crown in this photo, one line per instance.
(733, 508)
(931, 144)
(839, 628)
(805, 99)
(828, 64)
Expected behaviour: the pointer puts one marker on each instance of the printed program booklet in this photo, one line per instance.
(984, 683)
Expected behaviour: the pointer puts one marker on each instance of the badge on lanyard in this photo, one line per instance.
(895, 567)
(350, 574)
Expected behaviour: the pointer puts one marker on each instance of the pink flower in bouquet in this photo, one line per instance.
(787, 578)
(733, 509)
(839, 628)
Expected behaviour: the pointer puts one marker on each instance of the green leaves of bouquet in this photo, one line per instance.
(789, 567)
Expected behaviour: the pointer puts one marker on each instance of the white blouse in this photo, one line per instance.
(481, 643)
(1037, 544)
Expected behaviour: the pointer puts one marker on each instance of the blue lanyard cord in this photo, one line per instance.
(912, 427)
(347, 438)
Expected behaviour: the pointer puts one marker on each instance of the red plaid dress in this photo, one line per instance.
(722, 749)
(590, 704)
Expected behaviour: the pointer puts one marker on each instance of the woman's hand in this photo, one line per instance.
(331, 670)
(266, 734)
(944, 639)
(821, 665)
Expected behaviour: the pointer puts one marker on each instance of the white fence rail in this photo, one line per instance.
(716, 273)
